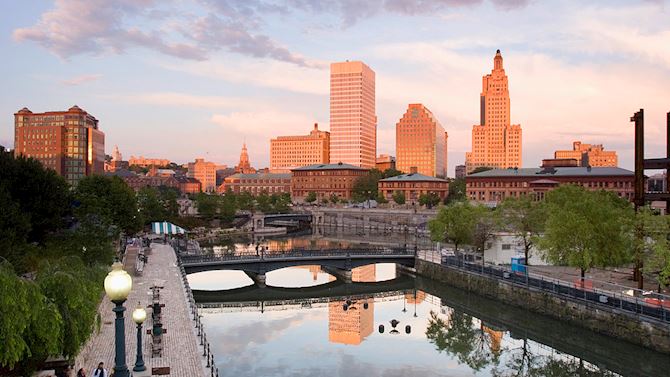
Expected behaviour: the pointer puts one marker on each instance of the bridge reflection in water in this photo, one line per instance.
(479, 334)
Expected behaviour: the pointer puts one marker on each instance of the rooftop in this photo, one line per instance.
(261, 176)
(412, 177)
(554, 172)
(338, 166)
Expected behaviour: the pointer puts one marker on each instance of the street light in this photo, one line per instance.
(139, 315)
(117, 286)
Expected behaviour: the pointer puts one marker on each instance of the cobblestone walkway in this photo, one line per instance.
(181, 351)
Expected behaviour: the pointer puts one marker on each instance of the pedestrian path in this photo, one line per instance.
(181, 350)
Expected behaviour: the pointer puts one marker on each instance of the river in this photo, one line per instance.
(390, 324)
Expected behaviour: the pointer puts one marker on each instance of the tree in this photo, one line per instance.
(585, 229)
(390, 172)
(653, 248)
(109, 199)
(399, 197)
(523, 216)
(334, 198)
(453, 223)
(245, 201)
(263, 203)
(150, 206)
(485, 223)
(365, 187)
(281, 202)
(456, 191)
(311, 197)
(429, 200)
(381, 199)
(481, 169)
(208, 205)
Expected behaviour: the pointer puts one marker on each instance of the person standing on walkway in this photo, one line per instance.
(100, 371)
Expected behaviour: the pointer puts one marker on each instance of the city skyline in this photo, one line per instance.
(584, 85)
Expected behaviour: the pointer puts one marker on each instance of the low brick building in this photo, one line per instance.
(257, 183)
(188, 185)
(413, 185)
(325, 180)
(493, 186)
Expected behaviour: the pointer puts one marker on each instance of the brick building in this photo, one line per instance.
(593, 155)
(205, 172)
(147, 162)
(385, 162)
(413, 185)
(257, 183)
(68, 142)
(325, 180)
(290, 152)
(493, 186)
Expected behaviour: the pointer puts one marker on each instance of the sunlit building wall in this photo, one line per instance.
(421, 142)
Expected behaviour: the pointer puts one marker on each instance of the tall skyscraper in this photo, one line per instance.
(290, 152)
(495, 142)
(67, 141)
(421, 142)
(353, 120)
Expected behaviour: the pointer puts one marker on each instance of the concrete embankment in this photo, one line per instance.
(604, 320)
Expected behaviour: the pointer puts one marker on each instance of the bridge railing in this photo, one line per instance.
(263, 254)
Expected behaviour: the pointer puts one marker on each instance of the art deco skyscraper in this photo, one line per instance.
(421, 142)
(495, 142)
(353, 121)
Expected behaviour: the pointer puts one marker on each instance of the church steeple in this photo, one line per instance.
(244, 165)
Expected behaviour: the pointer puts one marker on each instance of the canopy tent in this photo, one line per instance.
(166, 228)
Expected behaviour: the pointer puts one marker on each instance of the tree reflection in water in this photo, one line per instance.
(473, 345)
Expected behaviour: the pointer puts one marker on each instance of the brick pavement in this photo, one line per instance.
(181, 351)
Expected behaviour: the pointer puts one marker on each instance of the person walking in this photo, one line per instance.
(100, 371)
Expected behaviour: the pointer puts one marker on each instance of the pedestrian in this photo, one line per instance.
(81, 372)
(100, 371)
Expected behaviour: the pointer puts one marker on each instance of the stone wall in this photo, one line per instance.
(608, 321)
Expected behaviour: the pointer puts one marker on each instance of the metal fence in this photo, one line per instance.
(647, 305)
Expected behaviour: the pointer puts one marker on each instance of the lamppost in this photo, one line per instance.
(139, 315)
(117, 286)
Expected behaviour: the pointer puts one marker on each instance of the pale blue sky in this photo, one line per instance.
(182, 79)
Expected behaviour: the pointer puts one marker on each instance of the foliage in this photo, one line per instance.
(456, 191)
(390, 172)
(213, 206)
(110, 199)
(381, 199)
(454, 223)
(281, 203)
(586, 229)
(654, 247)
(244, 200)
(481, 169)
(523, 216)
(485, 225)
(399, 197)
(334, 198)
(263, 202)
(429, 200)
(365, 187)
(311, 197)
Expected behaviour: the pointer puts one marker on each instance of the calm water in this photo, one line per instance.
(307, 323)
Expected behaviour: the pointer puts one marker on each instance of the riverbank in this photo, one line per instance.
(599, 318)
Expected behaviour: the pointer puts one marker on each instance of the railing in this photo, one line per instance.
(645, 304)
(265, 255)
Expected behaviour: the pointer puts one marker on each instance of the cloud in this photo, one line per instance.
(81, 79)
(186, 100)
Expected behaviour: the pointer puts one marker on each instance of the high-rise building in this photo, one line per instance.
(205, 172)
(244, 166)
(385, 162)
(290, 152)
(460, 171)
(589, 155)
(67, 141)
(421, 142)
(496, 142)
(353, 120)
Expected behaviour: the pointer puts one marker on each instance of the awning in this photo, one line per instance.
(166, 228)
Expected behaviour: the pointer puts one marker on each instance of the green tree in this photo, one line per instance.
(151, 207)
(245, 201)
(456, 191)
(263, 203)
(109, 199)
(365, 187)
(208, 205)
(429, 200)
(311, 197)
(334, 198)
(481, 169)
(586, 229)
(399, 197)
(485, 226)
(390, 172)
(653, 248)
(381, 199)
(281, 202)
(523, 216)
(454, 223)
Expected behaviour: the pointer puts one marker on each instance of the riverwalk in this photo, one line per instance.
(181, 349)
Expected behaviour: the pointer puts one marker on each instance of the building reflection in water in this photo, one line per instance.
(350, 322)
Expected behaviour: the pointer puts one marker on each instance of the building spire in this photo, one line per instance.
(498, 61)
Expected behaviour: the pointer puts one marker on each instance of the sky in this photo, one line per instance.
(181, 79)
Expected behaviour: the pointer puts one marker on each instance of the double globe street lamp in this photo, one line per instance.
(118, 284)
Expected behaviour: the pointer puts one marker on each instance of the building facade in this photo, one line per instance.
(352, 323)
(421, 142)
(459, 171)
(188, 185)
(325, 180)
(413, 185)
(496, 142)
(290, 152)
(257, 183)
(147, 162)
(353, 119)
(385, 162)
(593, 155)
(116, 162)
(493, 186)
(205, 172)
(68, 142)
